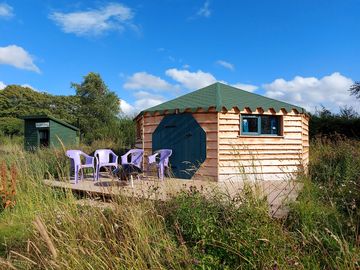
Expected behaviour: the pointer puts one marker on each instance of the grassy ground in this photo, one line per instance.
(47, 229)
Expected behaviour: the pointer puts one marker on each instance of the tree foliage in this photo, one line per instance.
(98, 107)
(355, 90)
(346, 123)
(11, 126)
(17, 101)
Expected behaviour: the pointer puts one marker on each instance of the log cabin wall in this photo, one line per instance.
(206, 119)
(231, 156)
(305, 141)
(262, 157)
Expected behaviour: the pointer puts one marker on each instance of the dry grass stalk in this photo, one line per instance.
(44, 234)
(6, 264)
(8, 196)
(13, 181)
(23, 257)
(3, 182)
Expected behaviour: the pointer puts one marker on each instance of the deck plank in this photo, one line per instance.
(278, 193)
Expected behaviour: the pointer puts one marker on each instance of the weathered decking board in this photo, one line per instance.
(278, 193)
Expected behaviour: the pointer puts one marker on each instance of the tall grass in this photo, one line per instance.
(326, 215)
(49, 229)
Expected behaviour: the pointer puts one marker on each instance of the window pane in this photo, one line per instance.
(250, 124)
(269, 125)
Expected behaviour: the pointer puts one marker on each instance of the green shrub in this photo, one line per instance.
(335, 167)
(228, 234)
(325, 218)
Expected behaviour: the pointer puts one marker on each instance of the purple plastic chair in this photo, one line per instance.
(77, 165)
(105, 158)
(163, 155)
(136, 157)
(131, 163)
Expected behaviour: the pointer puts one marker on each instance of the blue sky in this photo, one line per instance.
(304, 52)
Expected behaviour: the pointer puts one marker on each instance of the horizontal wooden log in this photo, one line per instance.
(253, 151)
(229, 128)
(257, 156)
(208, 171)
(292, 129)
(231, 121)
(255, 177)
(258, 170)
(293, 123)
(244, 142)
(260, 163)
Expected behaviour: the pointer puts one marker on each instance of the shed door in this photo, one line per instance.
(43, 137)
(186, 138)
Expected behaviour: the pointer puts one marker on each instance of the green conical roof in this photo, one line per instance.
(220, 95)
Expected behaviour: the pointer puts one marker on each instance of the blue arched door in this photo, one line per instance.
(186, 138)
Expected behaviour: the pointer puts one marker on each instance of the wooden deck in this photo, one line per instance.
(278, 193)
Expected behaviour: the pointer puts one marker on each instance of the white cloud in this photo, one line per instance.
(2, 85)
(16, 56)
(191, 80)
(143, 100)
(225, 64)
(331, 91)
(126, 108)
(6, 11)
(114, 16)
(205, 11)
(146, 100)
(146, 81)
(247, 87)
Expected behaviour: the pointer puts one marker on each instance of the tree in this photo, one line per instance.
(348, 112)
(17, 101)
(11, 126)
(323, 112)
(98, 107)
(355, 90)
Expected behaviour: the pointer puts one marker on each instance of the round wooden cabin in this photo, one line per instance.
(223, 133)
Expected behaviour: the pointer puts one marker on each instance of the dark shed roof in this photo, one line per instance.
(44, 116)
(220, 96)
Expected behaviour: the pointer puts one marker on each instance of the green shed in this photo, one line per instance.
(47, 131)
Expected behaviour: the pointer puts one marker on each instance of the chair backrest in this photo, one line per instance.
(103, 155)
(165, 155)
(136, 157)
(152, 158)
(75, 156)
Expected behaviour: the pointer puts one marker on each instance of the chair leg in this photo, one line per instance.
(97, 173)
(76, 175)
(161, 171)
(131, 181)
(94, 170)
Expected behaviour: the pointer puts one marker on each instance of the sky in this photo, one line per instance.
(304, 52)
